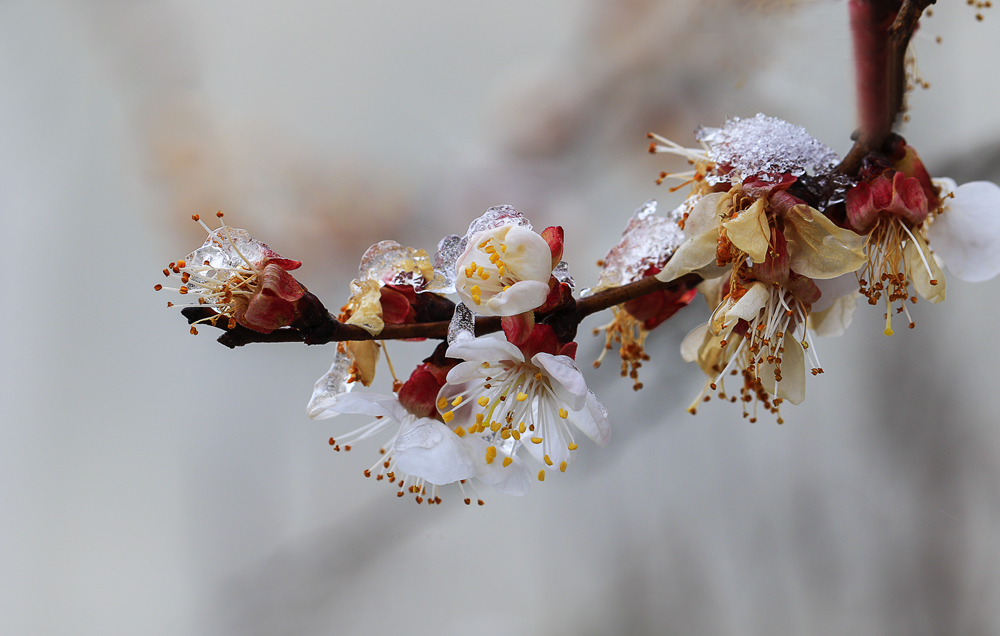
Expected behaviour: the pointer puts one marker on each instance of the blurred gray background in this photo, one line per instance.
(157, 483)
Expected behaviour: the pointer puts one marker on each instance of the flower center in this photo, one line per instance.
(494, 274)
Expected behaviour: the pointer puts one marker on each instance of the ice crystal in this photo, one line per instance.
(230, 248)
(331, 386)
(648, 241)
(462, 321)
(761, 145)
(561, 272)
(453, 245)
(390, 263)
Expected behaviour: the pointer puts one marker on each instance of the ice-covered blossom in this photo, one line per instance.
(512, 399)
(241, 278)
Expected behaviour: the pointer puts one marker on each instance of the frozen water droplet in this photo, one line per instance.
(497, 217)
(330, 387)
(765, 145)
(561, 272)
(390, 263)
(463, 321)
(648, 241)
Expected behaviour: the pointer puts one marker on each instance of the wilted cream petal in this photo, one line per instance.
(819, 249)
(835, 319)
(793, 373)
(750, 304)
(705, 215)
(750, 232)
(917, 270)
(366, 305)
(365, 355)
(691, 256)
(711, 289)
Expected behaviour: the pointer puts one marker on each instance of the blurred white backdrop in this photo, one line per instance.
(155, 483)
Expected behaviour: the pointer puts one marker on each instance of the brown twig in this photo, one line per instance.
(323, 328)
(881, 30)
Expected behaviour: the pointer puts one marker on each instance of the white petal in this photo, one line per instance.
(567, 381)
(704, 216)
(522, 296)
(432, 451)
(692, 343)
(837, 317)
(750, 304)
(593, 421)
(513, 479)
(528, 256)
(967, 233)
(484, 349)
(371, 404)
(465, 371)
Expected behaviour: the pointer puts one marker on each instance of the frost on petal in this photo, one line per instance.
(819, 249)
(792, 385)
(750, 232)
(567, 381)
(484, 349)
(836, 317)
(330, 387)
(766, 145)
(430, 450)
(592, 420)
(372, 404)
(647, 242)
(390, 263)
(463, 321)
(922, 268)
(967, 232)
(448, 250)
(233, 248)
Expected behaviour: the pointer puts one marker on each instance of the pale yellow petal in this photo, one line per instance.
(711, 289)
(750, 232)
(366, 306)
(750, 304)
(704, 216)
(694, 254)
(793, 373)
(835, 319)
(365, 356)
(917, 270)
(819, 249)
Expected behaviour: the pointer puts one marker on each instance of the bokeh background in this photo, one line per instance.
(157, 483)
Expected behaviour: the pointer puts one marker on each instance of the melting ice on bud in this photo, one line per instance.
(561, 273)
(647, 242)
(385, 263)
(239, 277)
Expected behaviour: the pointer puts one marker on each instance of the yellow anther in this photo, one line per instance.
(573, 446)
(521, 397)
(477, 299)
(484, 243)
(494, 426)
(489, 249)
(489, 458)
(548, 460)
(505, 433)
(563, 413)
(448, 416)
(457, 401)
(562, 467)
(501, 269)
(442, 402)
(541, 475)
(483, 401)
(506, 287)
(459, 431)
(538, 376)
(484, 274)
(480, 417)
(503, 247)
(507, 461)
(470, 272)
(536, 440)
(494, 257)
(516, 435)
(475, 291)
(491, 450)
(473, 266)
(521, 427)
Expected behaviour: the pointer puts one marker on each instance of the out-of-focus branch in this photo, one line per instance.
(881, 30)
(322, 328)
